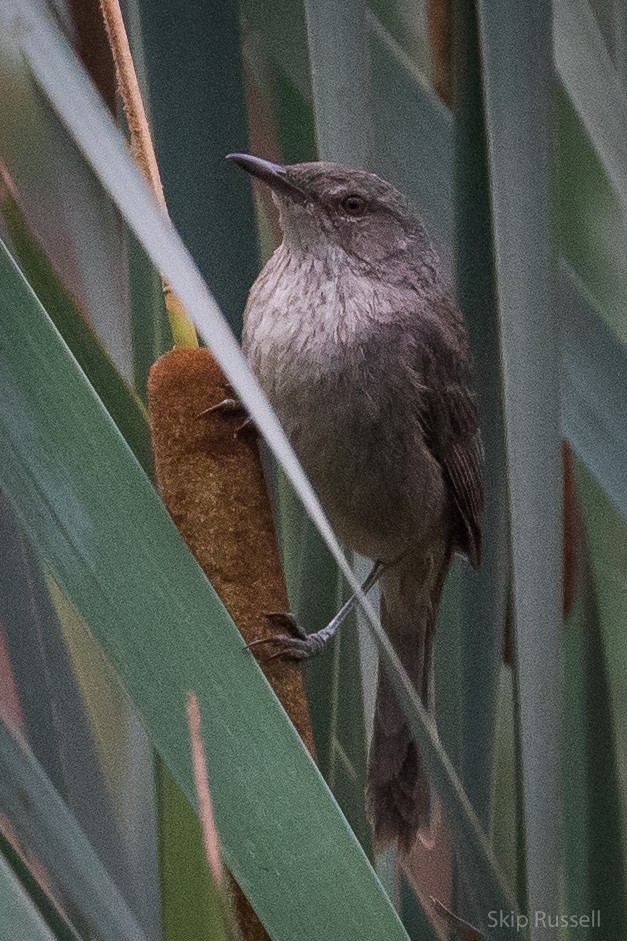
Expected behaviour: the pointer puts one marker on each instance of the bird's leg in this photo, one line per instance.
(231, 406)
(299, 645)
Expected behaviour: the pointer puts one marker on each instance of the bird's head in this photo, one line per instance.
(325, 207)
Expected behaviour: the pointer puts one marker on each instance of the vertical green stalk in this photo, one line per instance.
(516, 47)
(484, 593)
(340, 73)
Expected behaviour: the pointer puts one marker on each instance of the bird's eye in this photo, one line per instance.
(354, 205)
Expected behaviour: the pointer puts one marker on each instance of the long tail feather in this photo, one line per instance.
(400, 803)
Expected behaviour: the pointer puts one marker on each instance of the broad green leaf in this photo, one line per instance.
(339, 56)
(484, 593)
(281, 27)
(412, 137)
(408, 26)
(294, 119)
(20, 919)
(196, 121)
(51, 832)
(115, 552)
(517, 59)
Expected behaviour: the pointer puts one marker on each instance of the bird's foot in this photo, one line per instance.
(297, 645)
(227, 406)
(231, 406)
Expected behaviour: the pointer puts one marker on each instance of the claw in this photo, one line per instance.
(293, 646)
(227, 406)
(247, 426)
(286, 620)
(290, 648)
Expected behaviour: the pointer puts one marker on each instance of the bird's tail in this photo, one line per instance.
(399, 799)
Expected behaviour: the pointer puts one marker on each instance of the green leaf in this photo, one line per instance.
(504, 829)
(196, 122)
(590, 218)
(20, 919)
(594, 827)
(190, 903)
(593, 85)
(151, 333)
(484, 593)
(606, 534)
(413, 144)
(115, 552)
(53, 711)
(50, 831)
(124, 407)
(63, 203)
(517, 57)
(115, 731)
(340, 72)
(39, 895)
(594, 379)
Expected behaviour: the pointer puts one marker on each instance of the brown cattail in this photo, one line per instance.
(212, 483)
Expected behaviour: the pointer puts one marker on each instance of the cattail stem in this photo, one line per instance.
(183, 330)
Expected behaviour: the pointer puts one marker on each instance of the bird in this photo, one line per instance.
(354, 336)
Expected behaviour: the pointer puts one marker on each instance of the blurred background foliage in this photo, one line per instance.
(97, 839)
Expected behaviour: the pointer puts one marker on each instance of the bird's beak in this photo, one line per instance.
(272, 174)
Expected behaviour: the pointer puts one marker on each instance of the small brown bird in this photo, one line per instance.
(357, 343)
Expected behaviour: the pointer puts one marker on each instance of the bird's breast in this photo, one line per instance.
(306, 318)
(317, 341)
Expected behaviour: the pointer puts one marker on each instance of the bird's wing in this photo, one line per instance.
(453, 435)
(459, 454)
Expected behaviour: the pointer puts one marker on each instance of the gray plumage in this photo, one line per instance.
(357, 343)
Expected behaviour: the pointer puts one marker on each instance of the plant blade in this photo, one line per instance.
(517, 56)
(28, 799)
(20, 919)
